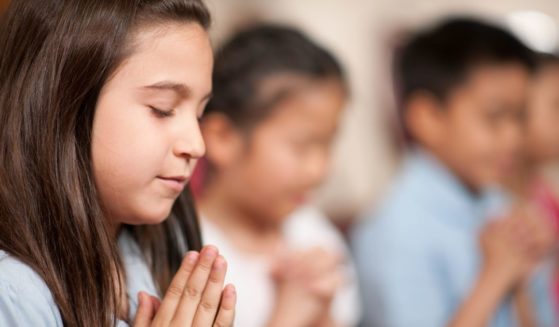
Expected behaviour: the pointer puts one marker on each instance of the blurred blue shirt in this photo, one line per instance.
(418, 256)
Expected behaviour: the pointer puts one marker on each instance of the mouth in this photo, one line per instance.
(175, 183)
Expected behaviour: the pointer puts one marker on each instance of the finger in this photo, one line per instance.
(145, 312)
(289, 266)
(521, 237)
(209, 304)
(495, 225)
(306, 263)
(175, 290)
(326, 263)
(519, 230)
(332, 261)
(532, 211)
(155, 302)
(194, 287)
(279, 266)
(226, 315)
(327, 286)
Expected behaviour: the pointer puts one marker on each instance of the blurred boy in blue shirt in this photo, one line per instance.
(431, 255)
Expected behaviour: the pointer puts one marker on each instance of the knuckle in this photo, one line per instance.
(192, 292)
(221, 324)
(215, 279)
(208, 306)
(174, 290)
(205, 267)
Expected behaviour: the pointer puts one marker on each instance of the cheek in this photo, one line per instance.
(475, 149)
(544, 134)
(499, 139)
(278, 163)
(270, 176)
(468, 137)
(127, 153)
(268, 173)
(547, 120)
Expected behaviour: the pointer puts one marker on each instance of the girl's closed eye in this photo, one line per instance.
(161, 113)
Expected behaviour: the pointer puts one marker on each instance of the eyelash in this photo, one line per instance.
(161, 113)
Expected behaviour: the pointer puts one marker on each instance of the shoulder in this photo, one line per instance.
(396, 220)
(410, 211)
(398, 225)
(19, 276)
(25, 299)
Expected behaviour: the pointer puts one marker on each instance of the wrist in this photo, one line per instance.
(497, 280)
(284, 316)
(279, 320)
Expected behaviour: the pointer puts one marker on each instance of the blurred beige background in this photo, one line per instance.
(362, 33)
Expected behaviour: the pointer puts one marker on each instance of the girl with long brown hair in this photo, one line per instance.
(99, 101)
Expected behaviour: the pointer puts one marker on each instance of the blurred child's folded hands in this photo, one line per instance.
(514, 246)
(541, 230)
(306, 284)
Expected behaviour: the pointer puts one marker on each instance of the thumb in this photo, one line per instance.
(155, 303)
(145, 312)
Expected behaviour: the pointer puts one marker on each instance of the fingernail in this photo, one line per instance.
(210, 252)
(230, 288)
(192, 256)
(219, 263)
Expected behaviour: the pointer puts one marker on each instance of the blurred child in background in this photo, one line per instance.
(430, 255)
(278, 98)
(541, 148)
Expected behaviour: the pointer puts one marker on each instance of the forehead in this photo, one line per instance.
(175, 52)
(315, 106)
(503, 83)
(549, 73)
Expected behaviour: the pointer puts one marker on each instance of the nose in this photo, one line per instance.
(190, 143)
(317, 168)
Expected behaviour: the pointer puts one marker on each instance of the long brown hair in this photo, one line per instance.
(55, 56)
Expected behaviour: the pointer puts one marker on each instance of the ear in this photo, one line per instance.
(223, 140)
(425, 119)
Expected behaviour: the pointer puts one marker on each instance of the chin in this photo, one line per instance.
(491, 180)
(281, 214)
(151, 216)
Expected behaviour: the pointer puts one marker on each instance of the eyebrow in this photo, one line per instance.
(178, 88)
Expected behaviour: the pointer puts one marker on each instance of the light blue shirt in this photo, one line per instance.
(25, 299)
(418, 255)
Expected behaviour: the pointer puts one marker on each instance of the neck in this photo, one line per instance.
(246, 230)
(441, 159)
(114, 229)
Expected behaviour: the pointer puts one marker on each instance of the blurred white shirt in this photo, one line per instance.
(307, 228)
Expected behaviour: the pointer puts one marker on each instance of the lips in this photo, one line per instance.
(175, 183)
